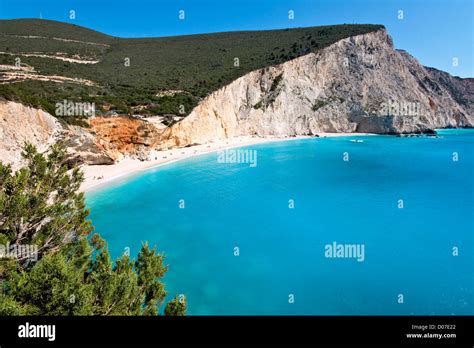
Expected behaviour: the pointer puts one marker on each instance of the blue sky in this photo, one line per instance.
(434, 31)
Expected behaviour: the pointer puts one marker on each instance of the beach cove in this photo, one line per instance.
(282, 245)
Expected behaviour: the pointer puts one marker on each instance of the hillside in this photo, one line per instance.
(164, 73)
(380, 90)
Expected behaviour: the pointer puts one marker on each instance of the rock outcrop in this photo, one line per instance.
(84, 148)
(20, 124)
(125, 135)
(462, 90)
(358, 84)
(106, 140)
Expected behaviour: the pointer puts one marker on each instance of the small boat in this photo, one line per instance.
(357, 141)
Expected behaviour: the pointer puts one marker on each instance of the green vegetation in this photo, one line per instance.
(319, 103)
(71, 273)
(276, 83)
(258, 105)
(270, 97)
(193, 65)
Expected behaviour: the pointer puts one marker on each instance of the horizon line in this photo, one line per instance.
(195, 34)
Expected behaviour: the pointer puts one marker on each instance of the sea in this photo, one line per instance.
(366, 225)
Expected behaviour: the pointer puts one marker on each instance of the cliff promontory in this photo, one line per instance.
(358, 84)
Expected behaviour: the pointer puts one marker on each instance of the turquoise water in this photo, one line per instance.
(407, 250)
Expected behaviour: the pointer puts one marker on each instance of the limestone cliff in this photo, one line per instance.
(358, 84)
(18, 124)
(462, 90)
(106, 140)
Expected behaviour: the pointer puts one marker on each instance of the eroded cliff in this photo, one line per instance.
(20, 124)
(358, 84)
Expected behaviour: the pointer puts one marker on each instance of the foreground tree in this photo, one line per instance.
(40, 203)
(73, 275)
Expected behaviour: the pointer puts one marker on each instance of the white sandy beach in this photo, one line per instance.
(96, 175)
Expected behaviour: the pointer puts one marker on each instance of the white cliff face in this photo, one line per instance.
(358, 84)
(20, 124)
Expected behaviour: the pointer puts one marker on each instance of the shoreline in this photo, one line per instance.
(98, 175)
